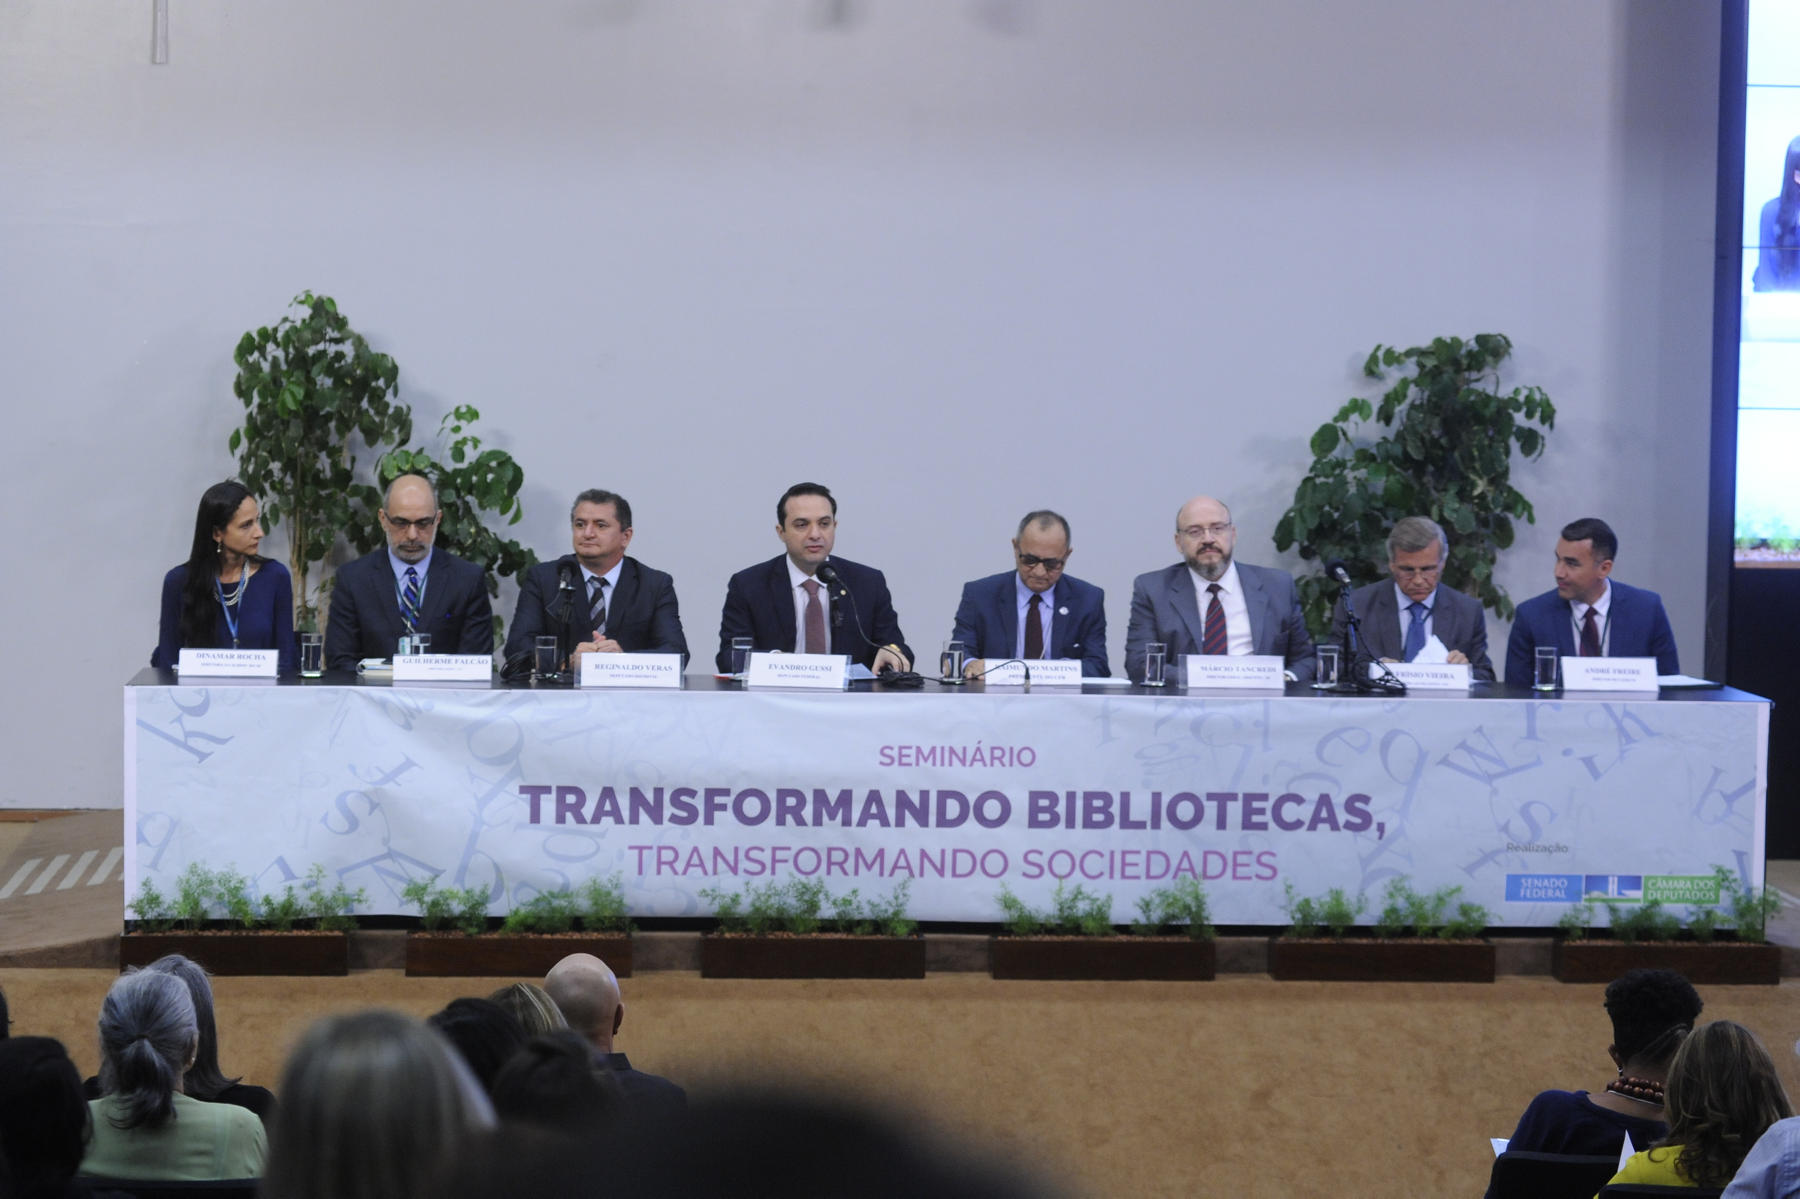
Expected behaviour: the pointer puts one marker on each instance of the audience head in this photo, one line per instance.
(585, 990)
(1652, 1012)
(485, 1033)
(532, 1007)
(373, 1106)
(147, 1042)
(44, 1123)
(552, 1084)
(1722, 1094)
(204, 1079)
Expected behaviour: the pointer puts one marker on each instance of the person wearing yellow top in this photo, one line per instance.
(1722, 1094)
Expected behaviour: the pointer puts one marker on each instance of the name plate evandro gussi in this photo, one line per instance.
(819, 672)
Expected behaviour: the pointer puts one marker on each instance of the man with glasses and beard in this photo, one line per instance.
(408, 587)
(1210, 604)
(1035, 611)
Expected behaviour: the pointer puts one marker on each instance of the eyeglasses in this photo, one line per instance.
(1196, 532)
(1050, 565)
(417, 526)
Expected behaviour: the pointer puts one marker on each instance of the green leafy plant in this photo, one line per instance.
(1073, 911)
(330, 906)
(463, 908)
(1445, 450)
(847, 914)
(545, 912)
(1335, 913)
(1405, 910)
(1017, 916)
(1643, 922)
(1704, 923)
(309, 384)
(1751, 910)
(1180, 906)
(193, 896)
(602, 905)
(1469, 922)
(888, 914)
(281, 912)
(155, 912)
(1577, 923)
(728, 909)
(806, 900)
(232, 891)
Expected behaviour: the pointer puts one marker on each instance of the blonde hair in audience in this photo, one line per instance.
(533, 1007)
(374, 1105)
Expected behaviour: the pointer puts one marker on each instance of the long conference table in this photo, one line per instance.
(1527, 802)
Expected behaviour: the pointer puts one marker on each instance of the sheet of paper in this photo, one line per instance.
(1684, 680)
(1499, 1144)
(1433, 652)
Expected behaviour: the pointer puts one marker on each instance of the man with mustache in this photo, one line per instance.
(1209, 603)
(408, 587)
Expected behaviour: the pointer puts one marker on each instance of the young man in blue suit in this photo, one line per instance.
(1398, 618)
(1209, 603)
(597, 600)
(1590, 615)
(788, 603)
(408, 587)
(996, 616)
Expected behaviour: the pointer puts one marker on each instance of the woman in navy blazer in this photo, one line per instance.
(226, 596)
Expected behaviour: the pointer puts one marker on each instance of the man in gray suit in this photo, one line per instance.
(1399, 618)
(1210, 604)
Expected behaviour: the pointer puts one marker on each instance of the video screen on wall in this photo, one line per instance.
(1767, 532)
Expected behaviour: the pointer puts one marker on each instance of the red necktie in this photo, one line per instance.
(1216, 641)
(815, 620)
(1590, 636)
(1034, 628)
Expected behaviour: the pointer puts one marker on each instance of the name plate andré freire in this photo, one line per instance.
(631, 670)
(819, 672)
(443, 668)
(1608, 674)
(1046, 672)
(1223, 670)
(226, 663)
(1426, 676)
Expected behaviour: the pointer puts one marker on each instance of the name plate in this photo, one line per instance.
(443, 668)
(227, 663)
(631, 670)
(821, 672)
(1047, 672)
(1423, 676)
(1224, 670)
(1608, 674)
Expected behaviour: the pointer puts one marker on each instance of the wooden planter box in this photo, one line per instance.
(1172, 959)
(509, 955)
(241, 952)
(1364, 959)
(819, 955)
(1719, 963)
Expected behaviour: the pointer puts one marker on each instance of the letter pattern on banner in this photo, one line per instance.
(1527, 805)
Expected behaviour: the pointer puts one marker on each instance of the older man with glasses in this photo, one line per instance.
(1034, 611)
(407, 587)
(1399, 619)
(1209, 603)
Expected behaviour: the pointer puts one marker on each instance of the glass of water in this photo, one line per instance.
(312, 655)
(1156, 655)
(1544, 668)
(1329, 658)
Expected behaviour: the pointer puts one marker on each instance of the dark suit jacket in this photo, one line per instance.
(1163, 608)
(987, 621)
(365, 610)
(1639, 628)
(641, 613)
(647, 1093)
(1456, 620)
(759, 605)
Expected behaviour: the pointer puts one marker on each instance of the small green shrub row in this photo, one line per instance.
(597, 906)
(805, 905)
(1741, 909)
(1076, 911)
(202, 894)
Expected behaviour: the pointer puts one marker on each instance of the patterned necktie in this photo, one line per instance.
(409, 601)
(815, 620)
(1216, 641)
(597, 604)
(1415, 632)
(1590, 636)
(1034, 627)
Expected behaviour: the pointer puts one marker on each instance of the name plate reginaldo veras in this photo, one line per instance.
(821, 672)
(630, 670)
(1245, 670)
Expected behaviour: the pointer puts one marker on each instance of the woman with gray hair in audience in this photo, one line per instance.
(145, 1129)
(374, 1105)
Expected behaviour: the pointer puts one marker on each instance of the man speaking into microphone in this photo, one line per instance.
(596, 600)
(805, 601)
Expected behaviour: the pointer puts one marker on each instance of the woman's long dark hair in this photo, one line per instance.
(199, 607)
(1786, 244)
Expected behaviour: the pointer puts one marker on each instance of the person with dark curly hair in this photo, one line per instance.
(1652, 1011)
(1723, 1093)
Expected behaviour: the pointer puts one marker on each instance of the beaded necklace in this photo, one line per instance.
(1641, 1089)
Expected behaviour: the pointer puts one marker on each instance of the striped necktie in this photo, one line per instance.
(597, 604)
(1215, 641)
(409, 601)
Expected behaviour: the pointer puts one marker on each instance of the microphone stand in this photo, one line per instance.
(1352, 679)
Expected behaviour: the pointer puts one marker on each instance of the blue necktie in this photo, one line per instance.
(1415, 632)
(409, 601)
